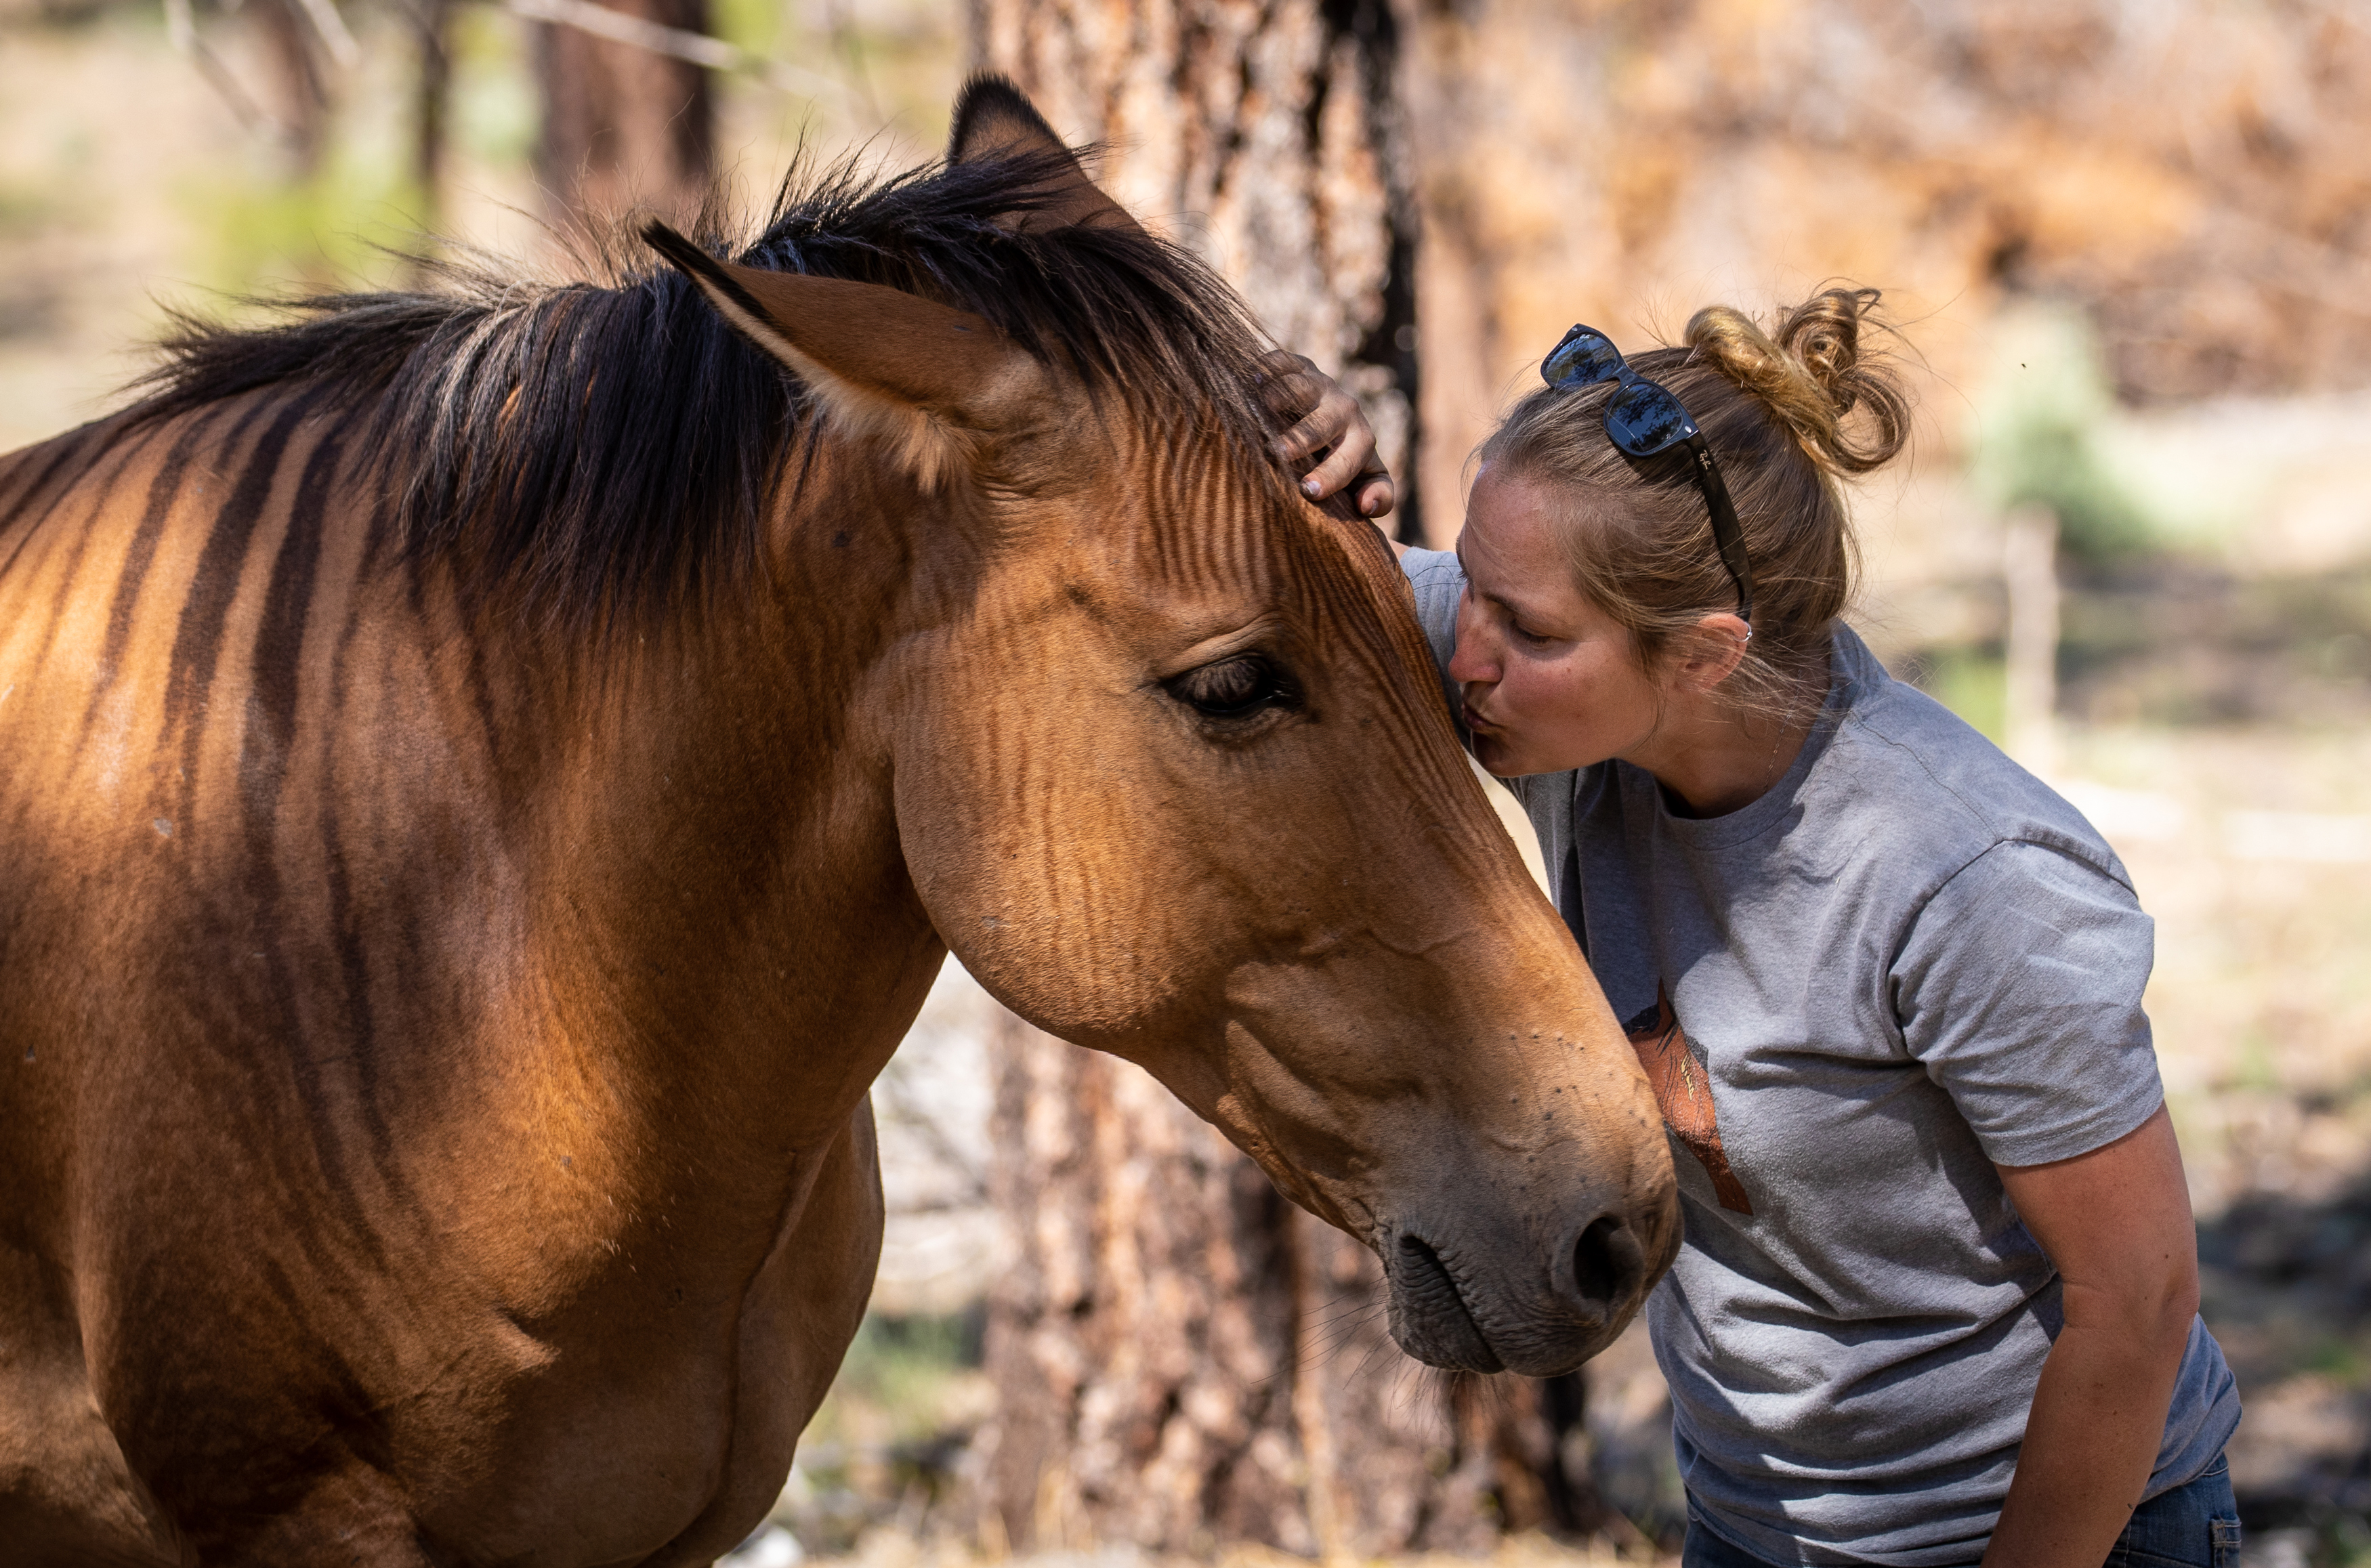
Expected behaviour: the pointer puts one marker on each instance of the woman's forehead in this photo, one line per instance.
(1518, 525)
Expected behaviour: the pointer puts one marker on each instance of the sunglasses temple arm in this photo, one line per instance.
(1725, 535)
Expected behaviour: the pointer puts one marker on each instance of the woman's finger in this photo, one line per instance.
(1289, 384)
(1325, 414)
(1330, 421)
(1337, 422)
(1346, 462)
(1328, 424)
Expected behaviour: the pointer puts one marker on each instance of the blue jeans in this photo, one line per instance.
(2195, 1525)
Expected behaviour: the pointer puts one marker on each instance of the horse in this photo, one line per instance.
(491, 773)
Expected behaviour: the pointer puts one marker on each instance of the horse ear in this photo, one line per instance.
(929, 379)
(995, 120)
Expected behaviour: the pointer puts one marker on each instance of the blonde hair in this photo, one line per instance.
(1774, 404)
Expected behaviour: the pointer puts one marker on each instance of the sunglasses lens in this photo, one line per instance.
(1585, 356)
(1644, 420)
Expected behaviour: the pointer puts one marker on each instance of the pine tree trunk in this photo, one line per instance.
(300, 90)
(623, 126)
(1182, 1358)
(431, 103)
(1269, 136)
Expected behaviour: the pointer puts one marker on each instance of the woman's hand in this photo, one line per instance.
(1328, 422)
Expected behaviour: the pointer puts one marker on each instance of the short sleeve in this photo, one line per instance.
(2018, 989)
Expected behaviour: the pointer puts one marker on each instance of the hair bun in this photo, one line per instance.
(1812, 372)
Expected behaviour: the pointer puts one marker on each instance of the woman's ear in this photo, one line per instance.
(1712, 650)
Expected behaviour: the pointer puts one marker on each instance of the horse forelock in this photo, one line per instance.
(1215, 525)
(593, 445)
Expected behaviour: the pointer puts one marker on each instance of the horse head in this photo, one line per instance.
(1174, 779)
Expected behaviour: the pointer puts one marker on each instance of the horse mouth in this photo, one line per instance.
(1430, 1316)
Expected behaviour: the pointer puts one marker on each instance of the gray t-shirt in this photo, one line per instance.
(1906, 962)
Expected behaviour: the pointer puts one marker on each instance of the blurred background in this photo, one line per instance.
(2128, 243)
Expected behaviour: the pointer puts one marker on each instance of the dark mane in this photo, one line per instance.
(598, 445)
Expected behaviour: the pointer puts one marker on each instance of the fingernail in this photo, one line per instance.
(1309, 488)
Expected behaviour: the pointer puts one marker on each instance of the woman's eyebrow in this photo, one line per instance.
(1504, 603)
(1457, 549)
(1494, 599)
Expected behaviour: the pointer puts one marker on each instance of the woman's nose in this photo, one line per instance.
(1476, 661)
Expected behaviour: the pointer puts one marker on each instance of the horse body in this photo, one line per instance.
(524, 1140)
(434, 1036)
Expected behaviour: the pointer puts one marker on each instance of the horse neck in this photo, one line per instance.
(719, 916)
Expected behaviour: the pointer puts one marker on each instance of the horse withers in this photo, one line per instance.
(486, 779)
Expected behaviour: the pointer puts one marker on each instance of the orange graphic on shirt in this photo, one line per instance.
(1686, 1099)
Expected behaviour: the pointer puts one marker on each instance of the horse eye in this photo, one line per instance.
(1231, 688)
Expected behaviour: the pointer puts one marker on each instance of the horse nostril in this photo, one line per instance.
(1606, 1264)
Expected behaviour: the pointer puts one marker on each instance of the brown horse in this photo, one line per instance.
(487, 778)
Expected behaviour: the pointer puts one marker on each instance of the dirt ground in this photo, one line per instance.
(896, 1547)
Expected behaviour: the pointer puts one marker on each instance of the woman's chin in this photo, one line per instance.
(1508, 756)
(1499, 760)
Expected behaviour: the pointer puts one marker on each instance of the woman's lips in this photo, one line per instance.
(1474, 721)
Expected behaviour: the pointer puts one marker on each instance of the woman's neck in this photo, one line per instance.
(1711, 760)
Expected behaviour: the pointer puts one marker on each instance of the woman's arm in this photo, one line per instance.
(1328, 420)
(2116, 1223)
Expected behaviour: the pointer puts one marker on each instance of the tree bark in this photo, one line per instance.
(1180, 1357)
(300, 90)
(1268, 135)
(622, 126)
(432, 101)
(1183, 1359)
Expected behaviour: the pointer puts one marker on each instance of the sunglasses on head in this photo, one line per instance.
(1643, 418)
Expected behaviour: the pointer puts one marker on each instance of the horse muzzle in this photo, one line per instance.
(1460, 1308)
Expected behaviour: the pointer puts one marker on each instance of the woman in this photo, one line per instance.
(1938, 1298)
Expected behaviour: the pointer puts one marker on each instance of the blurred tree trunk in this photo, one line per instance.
(300, 90)
(431, 23)
(623, 126)
(1182, 1358)
(1269, 136)
(1458, 280)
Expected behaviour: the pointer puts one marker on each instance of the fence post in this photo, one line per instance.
(2029, 568)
